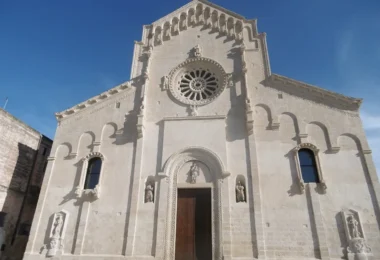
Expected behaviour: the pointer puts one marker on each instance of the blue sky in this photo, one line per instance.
(55, 54)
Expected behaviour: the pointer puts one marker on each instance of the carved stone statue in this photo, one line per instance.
(354, 227)
(357, 246)
(197, 51)
(194, 173)
(149, 196)
(166, 82)
(240, 194)
(55, 242)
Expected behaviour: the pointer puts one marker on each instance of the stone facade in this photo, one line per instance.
(204, 110)
(23, 154)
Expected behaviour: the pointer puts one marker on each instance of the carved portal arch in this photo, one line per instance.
(218, 172)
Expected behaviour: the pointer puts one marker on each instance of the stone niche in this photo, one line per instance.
(358, 248)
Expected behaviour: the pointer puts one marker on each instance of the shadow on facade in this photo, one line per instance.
(21, 201)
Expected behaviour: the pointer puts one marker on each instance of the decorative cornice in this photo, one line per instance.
(194, 118)
(93, 155)
(193, 4)
(94, 100)
(349, 103)
(306, 146)
(200, 13)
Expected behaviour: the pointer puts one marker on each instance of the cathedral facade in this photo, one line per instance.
(206, 154)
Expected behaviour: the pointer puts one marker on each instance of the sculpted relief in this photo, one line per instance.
(357, 245)
(57, 232)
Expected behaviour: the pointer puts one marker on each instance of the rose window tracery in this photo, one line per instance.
(198, 84)
(197, 81)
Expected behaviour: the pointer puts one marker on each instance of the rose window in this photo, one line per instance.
(197, 81)
(198, 84)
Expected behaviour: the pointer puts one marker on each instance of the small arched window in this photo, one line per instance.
(308, 166)
(93, 173)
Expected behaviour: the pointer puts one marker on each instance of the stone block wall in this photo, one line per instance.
(23, 153)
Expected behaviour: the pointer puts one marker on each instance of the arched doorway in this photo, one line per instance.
(211, 175)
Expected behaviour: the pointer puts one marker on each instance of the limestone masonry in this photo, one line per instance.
(23, 154)
(206, 154)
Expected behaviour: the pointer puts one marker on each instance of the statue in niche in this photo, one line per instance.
(240, 194)
(55, 239)
(149, 196)
(194, 173)
(354, 227)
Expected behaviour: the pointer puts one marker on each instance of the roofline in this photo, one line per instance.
(335, 95)
(210, 4)
(24, 124)
(94, 100)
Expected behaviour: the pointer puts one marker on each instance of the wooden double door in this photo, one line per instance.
(193, 234)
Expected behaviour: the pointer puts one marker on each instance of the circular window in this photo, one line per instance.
(197, 81)
(198, 84)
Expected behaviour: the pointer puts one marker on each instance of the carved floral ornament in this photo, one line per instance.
(89, 193)
(300, 180)
(197, 81)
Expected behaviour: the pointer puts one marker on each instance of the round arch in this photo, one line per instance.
(217, 169)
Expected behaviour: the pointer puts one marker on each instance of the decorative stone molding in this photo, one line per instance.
(248, 116)
(105, 95)
(325, 96)
(315, 150)
(56, 234)
(357, 245)
(80, 191)
(205, 14)
(202, 81)
(172, 166)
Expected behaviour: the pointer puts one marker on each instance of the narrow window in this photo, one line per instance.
(308, 166)
(2, 218)
(44, 151)
(93, 173)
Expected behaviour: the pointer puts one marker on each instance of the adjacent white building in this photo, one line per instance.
(206, 154)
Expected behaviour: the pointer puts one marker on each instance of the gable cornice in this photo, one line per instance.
(313, 92)
(193, 3)
(94, 100)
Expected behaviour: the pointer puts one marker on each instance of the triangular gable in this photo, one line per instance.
(201, 12)
(312, 93)
(193, 5)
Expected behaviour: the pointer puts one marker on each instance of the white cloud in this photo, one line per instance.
(370, 122)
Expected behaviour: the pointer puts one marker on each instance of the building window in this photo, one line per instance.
(93, 173)
(308, 166)
(2, 218)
